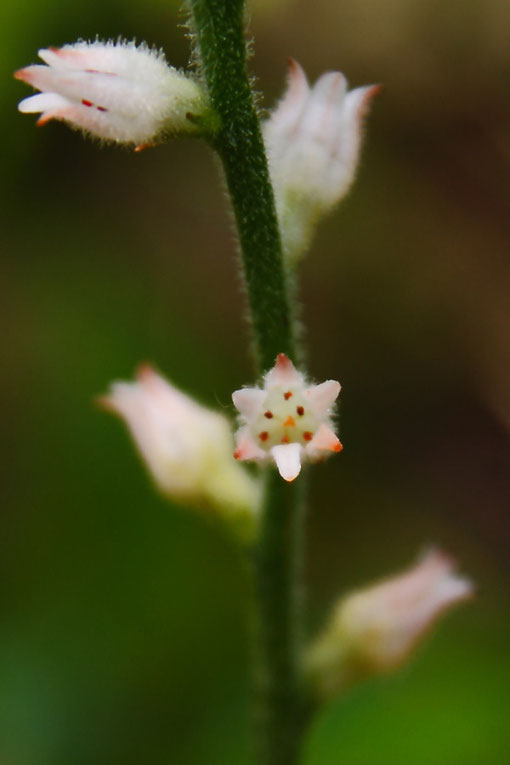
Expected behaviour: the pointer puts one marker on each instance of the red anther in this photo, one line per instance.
(287, 395)
(300, 410)
(264, 435)
(86, 103)
(307, 435)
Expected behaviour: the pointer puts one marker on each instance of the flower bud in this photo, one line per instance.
(186, 447)
(117, 92)
(313, 140)
(375, 630)
(287, 421)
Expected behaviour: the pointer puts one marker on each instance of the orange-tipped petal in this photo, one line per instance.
(246, 448)
(283, 373)
(325, 440)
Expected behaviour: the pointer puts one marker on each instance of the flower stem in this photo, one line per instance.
(280, 705)
(218, 27)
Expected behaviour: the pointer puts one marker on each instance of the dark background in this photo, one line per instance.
(122, 636)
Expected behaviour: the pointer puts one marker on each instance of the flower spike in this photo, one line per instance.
(287, 420)
(117, 92)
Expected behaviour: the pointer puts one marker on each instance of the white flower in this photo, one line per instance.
(374, 631)
(313, 140)
(115, 91)
(287, 420)
(187, 448)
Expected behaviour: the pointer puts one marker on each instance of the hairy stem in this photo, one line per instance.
(218, 26)
(219, 33)
(280, 711)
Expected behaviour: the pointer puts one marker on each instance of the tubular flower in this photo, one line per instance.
(375, 630)
(186, 447)
(287, 420)
(115, 91)
(313, 140)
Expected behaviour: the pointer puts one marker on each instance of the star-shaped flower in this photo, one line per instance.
(288, 420)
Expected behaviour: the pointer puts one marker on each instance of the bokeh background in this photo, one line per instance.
(122, 633)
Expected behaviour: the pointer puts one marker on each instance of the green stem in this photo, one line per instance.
(280, 705)
(218, 26)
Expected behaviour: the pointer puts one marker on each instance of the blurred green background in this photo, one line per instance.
(122, 634)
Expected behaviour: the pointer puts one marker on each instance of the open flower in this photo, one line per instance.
(115, 91)
(313, 140)
(375, 630)
(187, 448)
(287, 420)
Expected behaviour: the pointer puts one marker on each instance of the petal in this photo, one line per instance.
(246, 447)
(325, 439)
(285, 117)
(323, 396)
(288, 460)
(97, 56)
(43, 102)
(283, 373)
(249, 402)
(171, 401)
(323, 116)
(358, 101)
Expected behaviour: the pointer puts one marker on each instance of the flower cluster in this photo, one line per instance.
(313, 140)
(115, 91)
(287, 420)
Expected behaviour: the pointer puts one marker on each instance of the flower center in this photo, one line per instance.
(285, 419)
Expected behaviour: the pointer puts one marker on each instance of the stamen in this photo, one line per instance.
(300, 410)
(287, 395)
(268, 414)
(101, 108)
(285, 440)
(307, 435)
(86, 103)
(264, 435)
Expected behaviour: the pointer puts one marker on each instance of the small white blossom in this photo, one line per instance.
(375, 630)
(115, 91)
(313, 140)
(287, 420)
(186, 447)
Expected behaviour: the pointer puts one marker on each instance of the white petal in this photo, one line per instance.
(357, 101)
(325, 439)
(283, 373)
(288, 460)
(323, 396)
(53, 57)
(246, 447)
(43, 102)
(284, 119)
(324, 108)
(249, 401)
